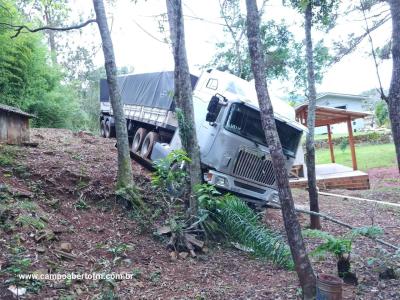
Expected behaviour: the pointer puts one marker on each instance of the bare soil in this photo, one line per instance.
(70, 178)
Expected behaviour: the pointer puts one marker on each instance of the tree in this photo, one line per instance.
(302, 263)
(393, 99)
(124, 177)
(183, 96)
(50, 13)
(322, 15)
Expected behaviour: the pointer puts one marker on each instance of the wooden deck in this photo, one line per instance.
(336, 176)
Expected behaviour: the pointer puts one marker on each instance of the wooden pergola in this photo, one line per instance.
(327, 116)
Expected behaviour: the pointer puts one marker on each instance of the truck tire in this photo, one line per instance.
(138, 139)
(109, 129)
(148, 144)
(103, 128)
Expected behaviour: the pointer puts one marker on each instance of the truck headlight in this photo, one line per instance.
(221, 181)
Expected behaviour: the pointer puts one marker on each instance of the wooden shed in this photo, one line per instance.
(14, 125)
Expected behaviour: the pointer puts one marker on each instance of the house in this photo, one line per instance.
(348, 102)
(14, 125)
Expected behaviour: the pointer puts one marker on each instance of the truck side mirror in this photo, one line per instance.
(213, 109)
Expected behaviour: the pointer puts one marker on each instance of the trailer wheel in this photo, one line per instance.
(107, 129)
(138, 139)
(148, 144)
(102, 128)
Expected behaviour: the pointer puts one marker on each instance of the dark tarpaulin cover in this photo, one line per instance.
(150, 89)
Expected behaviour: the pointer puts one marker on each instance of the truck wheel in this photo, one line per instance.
(109, 129)
(138, 139)
(148, 144)
(102, 128)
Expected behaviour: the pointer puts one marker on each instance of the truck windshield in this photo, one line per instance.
(246, 122)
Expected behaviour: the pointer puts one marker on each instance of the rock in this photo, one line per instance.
(17, 291)
(66, 247)
(127, 262)
(183, 255)
(40, 249)
(173, 256)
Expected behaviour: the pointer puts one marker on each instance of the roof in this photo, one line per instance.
(339, 95)
(15, 110)
(327, 115)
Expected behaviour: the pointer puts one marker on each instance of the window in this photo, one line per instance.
(246, 122)
(212, 83)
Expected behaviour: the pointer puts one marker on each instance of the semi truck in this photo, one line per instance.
(233, 151)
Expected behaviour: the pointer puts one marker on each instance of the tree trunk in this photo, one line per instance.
(312, 98)
(183, 96)
(124, 178)
(52, 40)
(302, 263)
(393, 99)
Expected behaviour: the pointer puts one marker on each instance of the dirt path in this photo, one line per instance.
(60, 196)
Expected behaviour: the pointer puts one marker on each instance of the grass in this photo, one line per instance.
(368, 156)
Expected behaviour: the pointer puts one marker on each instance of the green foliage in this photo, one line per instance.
(382, 113)
(170, 174)
(27, 220)
(343, 144)
(185, 128)
(324, 11)
(119, 249)
(19, 265)
(339, 246)
(29, 81)
(331, 244)
(81, 204)
(242, 225)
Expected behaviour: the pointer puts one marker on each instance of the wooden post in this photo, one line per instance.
(330, 143)
(351, 144)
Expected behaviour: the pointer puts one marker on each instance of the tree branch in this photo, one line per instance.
(354, 42)
(19, 28)
(383, 96)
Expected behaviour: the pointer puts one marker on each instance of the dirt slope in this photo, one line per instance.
(60, 196)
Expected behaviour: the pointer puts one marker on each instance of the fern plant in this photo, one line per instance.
(341, 247)
(241, 224)
(244, 227)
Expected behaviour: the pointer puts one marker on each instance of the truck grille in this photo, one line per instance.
(251, 167)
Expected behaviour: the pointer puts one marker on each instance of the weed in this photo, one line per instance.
(119, 250)
(81, 204)
(7, 156)
(20, 265)
(155, 276)
(137, 273)
(26, 220)
(77, 157)
(28, 206)
(21, 171)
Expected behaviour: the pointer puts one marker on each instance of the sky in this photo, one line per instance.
(138, 42)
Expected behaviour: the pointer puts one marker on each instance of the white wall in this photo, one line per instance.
(350, 103)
